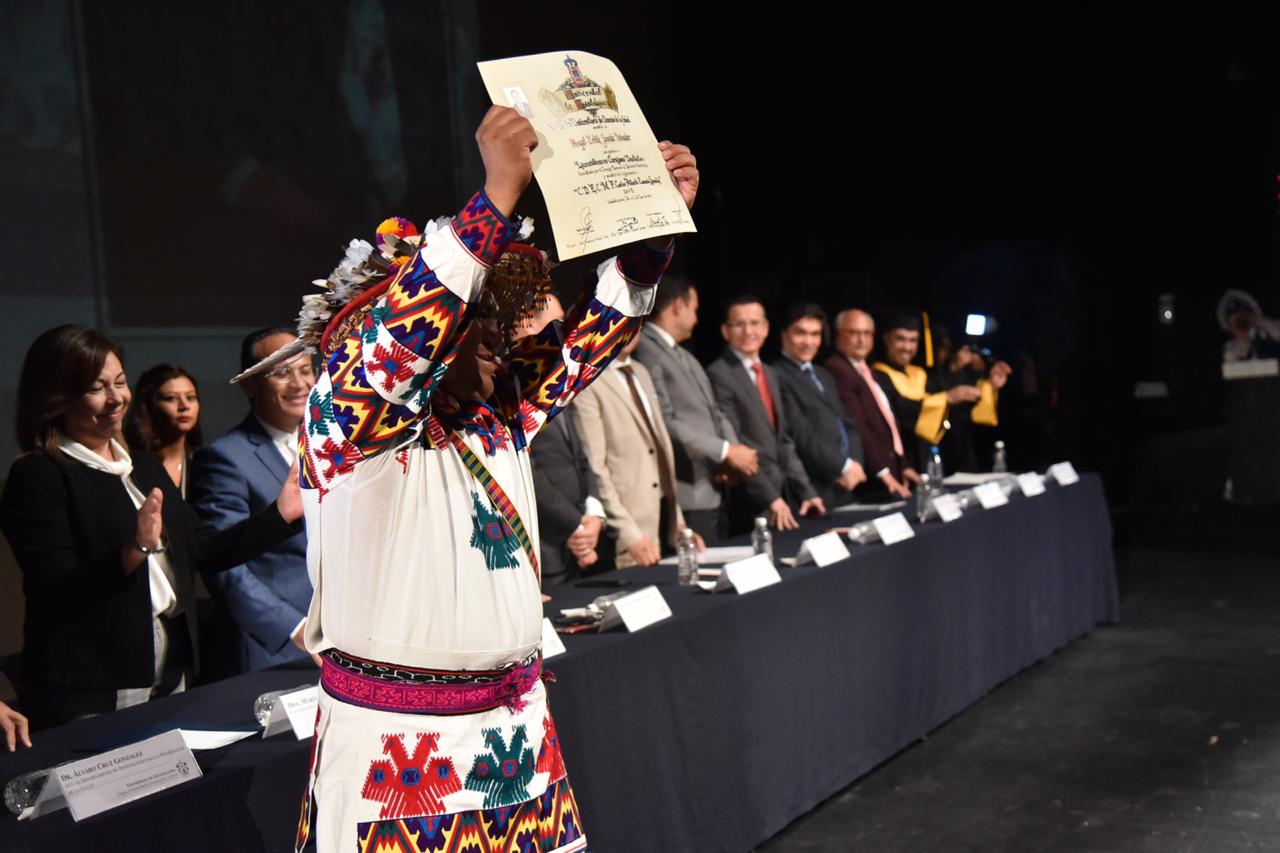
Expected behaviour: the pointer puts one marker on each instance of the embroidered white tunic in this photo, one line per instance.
(401, 550)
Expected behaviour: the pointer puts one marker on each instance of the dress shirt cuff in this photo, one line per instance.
(297, 628)
(592, 506)
(724, 451)
(883, 472)
(848, 463)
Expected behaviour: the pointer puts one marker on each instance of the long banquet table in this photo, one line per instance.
(710, 730)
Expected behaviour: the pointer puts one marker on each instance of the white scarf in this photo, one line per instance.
(159, 566)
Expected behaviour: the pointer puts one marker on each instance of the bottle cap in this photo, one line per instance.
(999, 445)
(686, 535)
(762, 521)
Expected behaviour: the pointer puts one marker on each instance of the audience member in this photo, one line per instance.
(570, 517)
(239, 475)
(708, 452)
(868, 405)
(748, 393)
(164, 419)
(827, 441)
(631, 453)
(107, 547)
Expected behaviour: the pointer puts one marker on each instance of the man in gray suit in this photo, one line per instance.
(750, 394)
(708, 452)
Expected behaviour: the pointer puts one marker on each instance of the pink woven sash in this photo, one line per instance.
(502, 688)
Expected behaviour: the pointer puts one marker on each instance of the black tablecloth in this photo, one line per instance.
(708, 731)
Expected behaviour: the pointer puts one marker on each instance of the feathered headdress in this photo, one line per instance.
(519, 281)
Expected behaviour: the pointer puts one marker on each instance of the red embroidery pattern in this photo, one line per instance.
(409, 785)
(338, 458)
(395, 367)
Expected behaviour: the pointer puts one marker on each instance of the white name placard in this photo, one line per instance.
(893, 528)
(752, 573)
(294, 710)
(552, 645)
(947, 507)
(1064, 473)
(1031, 484)
(824, 550)
(641, 608)
(990, 495)
(94, 785)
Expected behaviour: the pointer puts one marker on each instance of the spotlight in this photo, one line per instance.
(977, 325)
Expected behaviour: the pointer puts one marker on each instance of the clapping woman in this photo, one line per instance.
(108, 548)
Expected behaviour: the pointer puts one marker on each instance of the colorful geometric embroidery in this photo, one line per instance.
(552, 367)
(493, 537)
(319, 412)
(550, 761)
(408, 784)
(503, 774)
(336, 457)
(547, 823)
(482, 229)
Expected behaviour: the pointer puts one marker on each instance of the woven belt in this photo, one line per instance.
(413, 690)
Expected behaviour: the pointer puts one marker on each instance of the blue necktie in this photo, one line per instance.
(807, 369)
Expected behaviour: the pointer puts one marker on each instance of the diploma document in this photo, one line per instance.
(597, 162)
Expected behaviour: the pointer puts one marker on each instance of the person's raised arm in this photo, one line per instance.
(379, 378)
(553, 366)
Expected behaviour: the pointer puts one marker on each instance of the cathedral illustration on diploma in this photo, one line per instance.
(578, 93)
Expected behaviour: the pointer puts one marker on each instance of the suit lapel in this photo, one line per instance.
(265, 449)
(617, 387)
(695, 373)
(748, 388)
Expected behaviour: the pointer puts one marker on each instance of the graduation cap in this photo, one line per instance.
(912, 320)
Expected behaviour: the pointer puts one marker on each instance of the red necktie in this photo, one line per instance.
(765, 397)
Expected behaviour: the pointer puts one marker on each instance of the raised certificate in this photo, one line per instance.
(597, 162)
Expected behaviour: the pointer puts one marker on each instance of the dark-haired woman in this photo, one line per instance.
(164, 419)
(108, 548)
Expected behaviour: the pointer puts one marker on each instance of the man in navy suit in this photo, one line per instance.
(267, 598)
(827, 441)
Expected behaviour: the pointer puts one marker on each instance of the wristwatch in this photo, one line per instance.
(159, 549)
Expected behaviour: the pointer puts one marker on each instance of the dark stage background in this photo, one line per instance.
(177, 175)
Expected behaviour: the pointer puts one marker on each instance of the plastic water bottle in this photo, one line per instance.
(935, 466)
(923, 495)
(687, 559)
(263, 704)
(761, 538)
(999, 461)
(21, 792)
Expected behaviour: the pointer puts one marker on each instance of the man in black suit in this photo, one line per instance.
(570, 516)
(748, 392)
(826, 440)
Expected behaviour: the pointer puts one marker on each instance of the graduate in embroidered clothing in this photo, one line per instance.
(422, 525)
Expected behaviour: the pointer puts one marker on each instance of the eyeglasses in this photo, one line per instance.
(304, 373)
